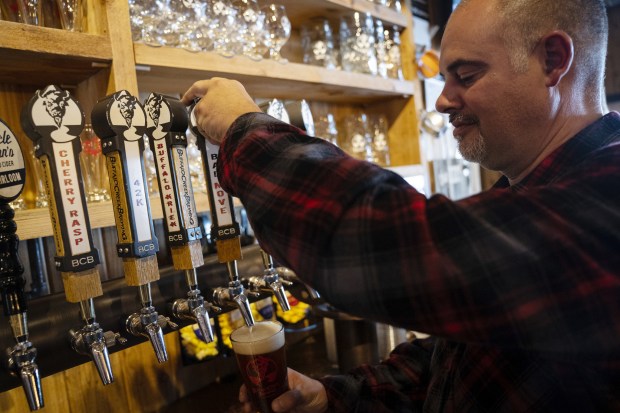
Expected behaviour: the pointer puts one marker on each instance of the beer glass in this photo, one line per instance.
(262, 361)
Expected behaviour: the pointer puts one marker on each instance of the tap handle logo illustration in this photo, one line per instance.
(127, 116)
(166, 116)
(53, 114)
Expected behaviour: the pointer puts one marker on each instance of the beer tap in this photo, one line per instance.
(21, 357)
(166, 126)
(54, 120)
(270, 282)
(120, 122)
(224, 228)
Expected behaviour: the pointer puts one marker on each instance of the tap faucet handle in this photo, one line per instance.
(204, 323)
(101, 358)
(164, 322)
(111, 338)
(253, 294)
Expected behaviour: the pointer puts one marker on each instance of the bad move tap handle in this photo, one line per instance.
(120, 122)
(224, 229)
(54, 121)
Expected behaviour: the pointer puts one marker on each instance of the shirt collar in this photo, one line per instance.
(599, 134)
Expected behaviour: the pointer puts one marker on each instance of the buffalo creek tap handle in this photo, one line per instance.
(12, 179)
(120, 122)
(224, 228)
(54, 120)
(167, 122)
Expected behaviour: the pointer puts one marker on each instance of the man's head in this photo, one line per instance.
(522, 76)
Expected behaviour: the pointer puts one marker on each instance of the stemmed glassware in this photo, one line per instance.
(251, 24)
(198, 35)
(223, 16)
(278, 30)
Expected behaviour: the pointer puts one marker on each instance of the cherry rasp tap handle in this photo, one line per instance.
(12, 179)
(224, 228)
(54, 121)
(166, 127)
(120, 122)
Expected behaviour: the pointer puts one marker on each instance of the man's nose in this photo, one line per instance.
(448, 100)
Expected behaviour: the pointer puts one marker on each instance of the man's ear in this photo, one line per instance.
(558, 51)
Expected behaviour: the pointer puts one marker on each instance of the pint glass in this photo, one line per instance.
(262, 361)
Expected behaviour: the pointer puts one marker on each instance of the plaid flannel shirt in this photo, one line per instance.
(520, 284)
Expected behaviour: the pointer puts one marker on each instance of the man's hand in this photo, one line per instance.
(306, 395)
(222, 101)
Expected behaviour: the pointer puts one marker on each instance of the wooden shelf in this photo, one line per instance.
(302, 10)
(35, 223)
(172, 71)
(33, 55)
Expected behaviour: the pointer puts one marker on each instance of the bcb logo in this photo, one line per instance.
(82, 261)
(226, 232)
(146, 248)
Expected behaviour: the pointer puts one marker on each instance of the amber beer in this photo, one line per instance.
(262, 361)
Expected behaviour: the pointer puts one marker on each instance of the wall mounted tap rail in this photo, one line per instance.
(167, 122)
(54, 121)
(21, 357)
(224, 228)
(120, 122)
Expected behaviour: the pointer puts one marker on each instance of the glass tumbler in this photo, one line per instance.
(357, 43)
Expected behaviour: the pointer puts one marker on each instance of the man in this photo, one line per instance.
(520, 285)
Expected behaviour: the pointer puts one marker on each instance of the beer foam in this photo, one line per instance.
(261, 338)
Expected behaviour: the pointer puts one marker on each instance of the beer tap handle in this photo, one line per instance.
(22, 356)
(120, 122)
(167, 122)
(224, 227)
(54, 121)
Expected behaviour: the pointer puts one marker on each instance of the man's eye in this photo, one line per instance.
(466, 79)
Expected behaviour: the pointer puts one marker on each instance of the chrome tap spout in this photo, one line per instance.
(234, 295)
(193, 308)
(149, 324)
(22, 364)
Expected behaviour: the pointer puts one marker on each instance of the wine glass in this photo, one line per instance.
(278, 30)
(251, 27)
(223, 17)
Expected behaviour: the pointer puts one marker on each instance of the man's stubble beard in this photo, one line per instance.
(473, 151)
